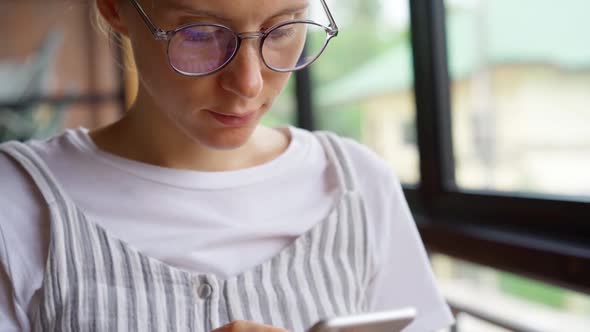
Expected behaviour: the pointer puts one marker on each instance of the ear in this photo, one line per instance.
(110, 11)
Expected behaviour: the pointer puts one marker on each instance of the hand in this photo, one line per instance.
(247, 326)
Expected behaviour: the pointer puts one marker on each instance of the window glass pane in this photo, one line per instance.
(532, 304)
(521, 94)
(363, 83)
(56, 53)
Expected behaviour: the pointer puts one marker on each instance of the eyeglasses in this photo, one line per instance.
(201, 49)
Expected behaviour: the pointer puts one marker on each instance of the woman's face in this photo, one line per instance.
(220, 110)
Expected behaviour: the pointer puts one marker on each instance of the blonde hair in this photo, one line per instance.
(115, 40)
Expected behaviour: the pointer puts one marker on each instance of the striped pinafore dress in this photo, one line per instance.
(96, 282)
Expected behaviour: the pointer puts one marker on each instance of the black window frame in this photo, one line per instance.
(539, 236)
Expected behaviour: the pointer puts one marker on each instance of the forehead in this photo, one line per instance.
(234, 10)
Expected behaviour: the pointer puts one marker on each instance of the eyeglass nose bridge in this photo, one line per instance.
(250, 35)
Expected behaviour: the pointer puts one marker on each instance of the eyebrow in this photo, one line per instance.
(291, 10)
(206, 13)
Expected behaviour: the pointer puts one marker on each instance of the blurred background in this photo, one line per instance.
(482, 107)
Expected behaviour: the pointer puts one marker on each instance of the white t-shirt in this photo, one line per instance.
(198, 221)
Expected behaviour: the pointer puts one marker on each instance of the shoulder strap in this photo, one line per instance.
(339, 159)
(37, 169)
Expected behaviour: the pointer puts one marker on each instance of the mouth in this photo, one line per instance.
(232, 120)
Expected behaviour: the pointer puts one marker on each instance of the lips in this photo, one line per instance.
(232, 120)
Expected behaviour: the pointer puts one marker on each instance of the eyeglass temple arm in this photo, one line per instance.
(330, 17)
(157, 32)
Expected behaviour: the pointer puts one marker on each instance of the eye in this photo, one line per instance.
(282, 32)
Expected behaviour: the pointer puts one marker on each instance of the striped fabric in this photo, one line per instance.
(95, 282)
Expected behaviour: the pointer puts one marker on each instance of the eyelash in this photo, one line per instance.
(282, 33)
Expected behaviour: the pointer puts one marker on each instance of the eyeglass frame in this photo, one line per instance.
(167, 35)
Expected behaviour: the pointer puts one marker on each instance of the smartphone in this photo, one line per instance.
(383, 321)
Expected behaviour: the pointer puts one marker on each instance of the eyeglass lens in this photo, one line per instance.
(202, 49)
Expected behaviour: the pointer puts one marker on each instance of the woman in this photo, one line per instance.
(187, 214)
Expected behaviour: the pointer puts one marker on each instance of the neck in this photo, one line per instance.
(147, 135)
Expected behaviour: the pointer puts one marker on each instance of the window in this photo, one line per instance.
(520, 106)
(483, 150)
(363, 83)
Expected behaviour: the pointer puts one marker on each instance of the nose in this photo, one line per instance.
(243, 76)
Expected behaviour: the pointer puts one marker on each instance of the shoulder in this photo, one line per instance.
(17, 185)
(24, 213)
(365, 159)
(24, 225)
(19, 189)
(20, 198)
(21, 204)
(382, 195)
(24, 229)
(374, 175)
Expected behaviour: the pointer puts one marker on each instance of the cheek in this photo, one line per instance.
(149, 54)
(153, 70)
(167, 88)
(275, 82)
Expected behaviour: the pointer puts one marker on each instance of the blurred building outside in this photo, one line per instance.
(520, 112)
